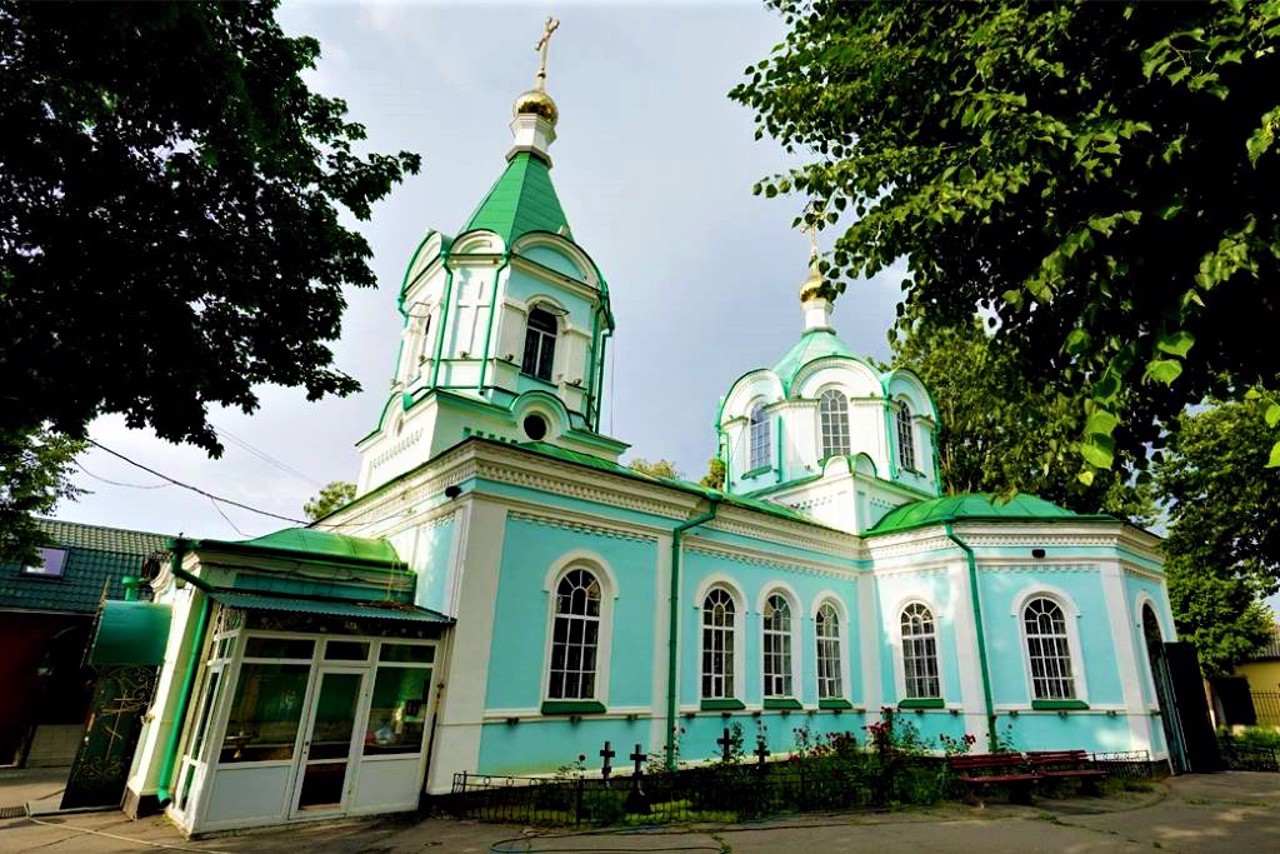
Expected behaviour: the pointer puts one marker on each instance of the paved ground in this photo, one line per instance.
(1232, 812)
(20, 785)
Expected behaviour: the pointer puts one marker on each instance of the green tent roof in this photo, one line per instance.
(321, 545)
(522, 200)
(955, 508)
(814, 344)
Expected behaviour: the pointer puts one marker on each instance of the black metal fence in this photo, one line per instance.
(1266, 707)
(1248, 757)
(723, 792)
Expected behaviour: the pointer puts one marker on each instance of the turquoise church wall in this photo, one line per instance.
(517, 655)
(1001, 588)
(431, 563)
(1094, 732)
(544, 746)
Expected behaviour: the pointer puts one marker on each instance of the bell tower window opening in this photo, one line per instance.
(760, 437)
(906, 439)
(539, 344)
(833, 411)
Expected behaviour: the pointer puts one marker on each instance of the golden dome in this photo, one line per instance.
(816, 287)
(538, 103)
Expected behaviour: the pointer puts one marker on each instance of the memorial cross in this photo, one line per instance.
(725, 741)
(608, 753)
(637, 756)
(761, 752)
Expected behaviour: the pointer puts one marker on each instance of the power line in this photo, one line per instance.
(227, 518)
(80, 465)
(262, 455)
(195, 489)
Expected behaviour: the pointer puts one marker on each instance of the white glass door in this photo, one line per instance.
(330, 739)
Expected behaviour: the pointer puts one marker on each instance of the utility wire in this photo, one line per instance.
(80, 465)
(262, 455)
(195, 489)
(227, 518)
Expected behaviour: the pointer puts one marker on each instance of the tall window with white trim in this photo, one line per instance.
(718, 614)
(827, 629)
(920, 652)
(539, 344)
(906, 439)
(760, 438)
(777, 646)
(833, 413)
(1048, 650)
(575, 637)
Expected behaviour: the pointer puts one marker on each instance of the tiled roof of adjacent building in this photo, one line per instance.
(96, 555)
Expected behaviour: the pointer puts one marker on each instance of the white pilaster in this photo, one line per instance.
(1122, 620)
(870, 639)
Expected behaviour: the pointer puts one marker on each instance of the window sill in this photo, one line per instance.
(922, 703)
(747, 475)
(782, 703)
(573, 707)
(723, 705)
(538, 379)
(835, 703)
(1058, 705)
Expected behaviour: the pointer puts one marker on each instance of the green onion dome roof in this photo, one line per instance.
(814, 344)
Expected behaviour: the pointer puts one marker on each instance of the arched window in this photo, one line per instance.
(575, 637)
(833, 412)
(920, 652)
(539, 344)
(717, 645)
(906, 439)
(827, 629)
(1049, 650)
(759, 438)
(777, 647)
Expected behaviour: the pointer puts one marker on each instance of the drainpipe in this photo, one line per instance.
(992, 738)
(163, 792)
(673, 624)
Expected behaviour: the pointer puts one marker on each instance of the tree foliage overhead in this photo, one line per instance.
(34, 476)
(1002, 431)
(171, 197)
(1098, 178)
(657, 468)
(334, 495)
(1223, 544)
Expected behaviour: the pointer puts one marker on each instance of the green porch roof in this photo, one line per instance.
(974, 506)
(814, 344)
(317, 545)
(522, 200)
(381, 610)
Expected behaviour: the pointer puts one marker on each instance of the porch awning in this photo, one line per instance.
(130, 633)
(330, 607)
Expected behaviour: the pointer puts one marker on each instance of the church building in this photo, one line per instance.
(503, 594)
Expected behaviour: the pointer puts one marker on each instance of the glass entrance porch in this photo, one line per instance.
(289, 726)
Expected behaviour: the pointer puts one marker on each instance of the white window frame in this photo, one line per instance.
(554, 313)
(782, 684)
(837, 419)
(717, 582)
(900, 652)
(597, 566)
(842, 639)
(759, 437)
(1071, 614)
(905, 428)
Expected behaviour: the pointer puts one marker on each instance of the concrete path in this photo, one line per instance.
(1236, 812)
(20, 785)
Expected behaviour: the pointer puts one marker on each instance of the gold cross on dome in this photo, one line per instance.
(812, 231)
(543, 43)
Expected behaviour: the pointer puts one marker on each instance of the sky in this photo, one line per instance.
(654, 167)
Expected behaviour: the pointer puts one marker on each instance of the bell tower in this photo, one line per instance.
(505, 326)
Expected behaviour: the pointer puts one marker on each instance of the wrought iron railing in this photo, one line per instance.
(1248, 757)
(1124, 765)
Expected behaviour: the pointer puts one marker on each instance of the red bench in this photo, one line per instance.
(979, 771)
(1067, 765)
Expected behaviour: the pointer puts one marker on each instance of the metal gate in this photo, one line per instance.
(101, 767)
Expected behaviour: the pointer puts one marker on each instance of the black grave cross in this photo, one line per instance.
(726, 743)
(607, 754)
(761, 752)
(638, 757)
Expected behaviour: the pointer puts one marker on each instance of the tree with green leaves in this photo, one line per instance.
(1097, 178)
(35, 471)
(334, 495)
(171, 194)
(714, 478)
(657, 468)
(1223, 545)
(1001, 431)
